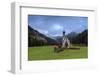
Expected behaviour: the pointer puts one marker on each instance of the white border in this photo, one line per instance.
(19, 38)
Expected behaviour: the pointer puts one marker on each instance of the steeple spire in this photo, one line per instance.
(63, 33)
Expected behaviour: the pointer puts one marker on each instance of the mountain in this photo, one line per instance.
(72, 34)
(59, 39)
(81, 38)
(36, 38)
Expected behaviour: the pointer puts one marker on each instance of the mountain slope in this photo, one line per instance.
(36, 38)
(81, 38)
(72, 34)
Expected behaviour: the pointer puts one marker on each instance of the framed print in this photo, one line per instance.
(51, 38)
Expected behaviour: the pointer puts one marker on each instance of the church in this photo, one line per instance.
(65, 44)
(65, 41)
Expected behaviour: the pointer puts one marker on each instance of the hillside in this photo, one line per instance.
(81, 38)
(36, 38)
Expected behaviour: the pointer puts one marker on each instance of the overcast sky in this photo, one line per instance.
(54, 25)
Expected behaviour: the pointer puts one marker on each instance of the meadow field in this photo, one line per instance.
(47, 53)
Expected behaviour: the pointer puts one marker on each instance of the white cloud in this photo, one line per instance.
(43, 31)
(57, 27)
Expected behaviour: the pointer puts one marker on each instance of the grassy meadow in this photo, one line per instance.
(47, 53)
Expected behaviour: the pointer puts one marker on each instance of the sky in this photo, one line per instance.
(54, 25)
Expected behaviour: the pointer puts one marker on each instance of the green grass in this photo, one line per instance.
(47, 53)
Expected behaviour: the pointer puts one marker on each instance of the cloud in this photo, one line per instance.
(43, 31)
(57, 27)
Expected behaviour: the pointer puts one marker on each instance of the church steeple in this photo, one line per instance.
(63, 33)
